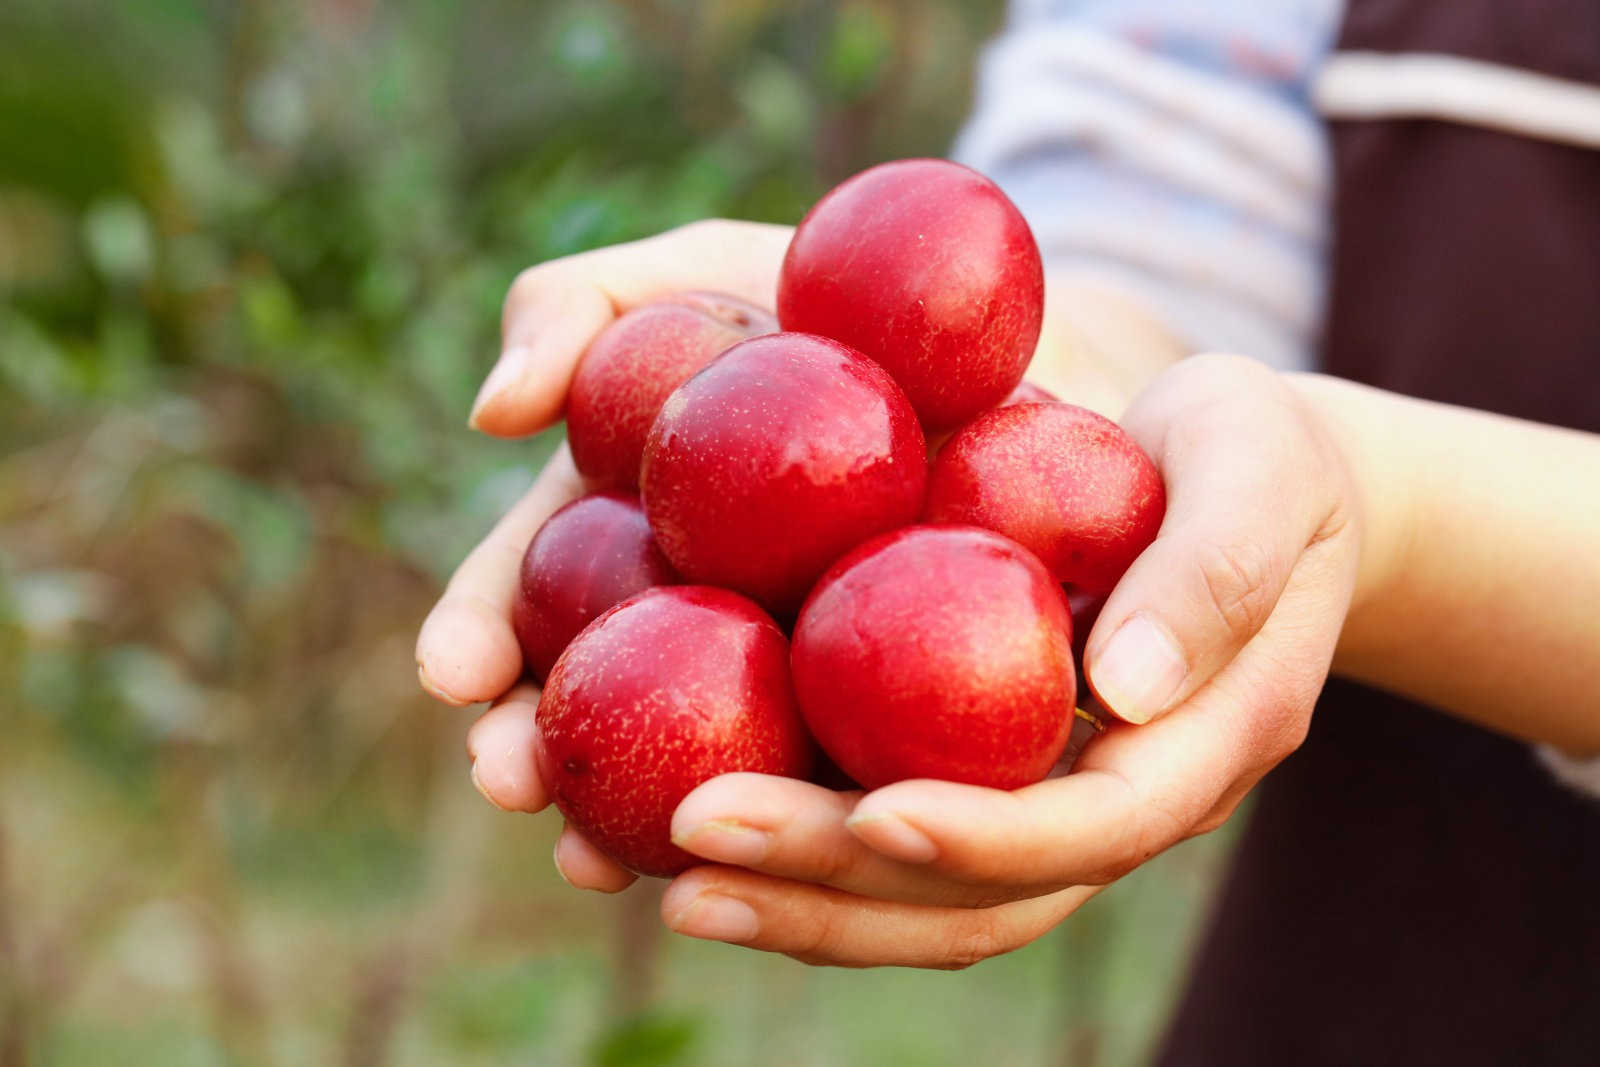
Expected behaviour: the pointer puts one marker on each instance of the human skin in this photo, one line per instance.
(1310, 521)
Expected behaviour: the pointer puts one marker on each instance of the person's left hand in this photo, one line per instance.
(1218, 640)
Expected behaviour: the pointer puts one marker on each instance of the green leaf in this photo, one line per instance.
(776, 103)
(119, 240)
(271, 315)
(858, 50)
(490, 1007)
(652, 1040)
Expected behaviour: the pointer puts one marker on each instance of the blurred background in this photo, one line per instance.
(251, 261)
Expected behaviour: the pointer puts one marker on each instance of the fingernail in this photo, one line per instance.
(714, 917)
(1139, 671)
(508, 370)
(726, 841)
(477, 783)
(555, 857)
(891, 835)
(429, 687)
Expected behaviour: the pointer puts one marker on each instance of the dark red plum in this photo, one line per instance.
(631, 368)
(1066, 483)
(926, 267)
(663, 692)
(937, 652)
(595, 552)
(777, 459)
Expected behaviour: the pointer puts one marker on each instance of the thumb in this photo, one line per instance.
(1249, 487)
(550, 318)
(555, 309)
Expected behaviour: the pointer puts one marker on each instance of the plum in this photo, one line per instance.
(1068, 484)
(926, 267)
(631, 368)
(666, 690)
(777, 459)
(937, 652)
(589, 555)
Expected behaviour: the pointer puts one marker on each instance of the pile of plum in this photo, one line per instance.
(853, 527)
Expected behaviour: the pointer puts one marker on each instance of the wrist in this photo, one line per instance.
(1385, 500)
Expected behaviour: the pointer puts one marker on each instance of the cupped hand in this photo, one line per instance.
(1218, 641)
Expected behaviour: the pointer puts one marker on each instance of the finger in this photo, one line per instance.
(796, 830)
(1137, 790)
(505, 770)
(555, 309)
(501, 746)
(1247, 492)
(467, 651)
(1224, 808)
(1136, 793)
(820, 925)
(585, 867)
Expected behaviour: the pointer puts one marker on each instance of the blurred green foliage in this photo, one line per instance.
(251, 261)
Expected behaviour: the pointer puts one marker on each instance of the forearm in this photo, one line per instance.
(1479, 576)
(1479, 579)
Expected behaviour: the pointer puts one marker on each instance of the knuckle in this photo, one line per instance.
(524, 286)
(1238, 580)
(1240, 379)
(1289, 732)
(835, 864)
(1227, 366)
(819, 939)
(1273, 739)
(1219, 382)
(1111, 871)
(812, 960)
(991, 897)
(1280, 713)
(1131, 859)
(975, 941)
(1227, 804)
(1157, 828)
(708, 231)
(1217, 818)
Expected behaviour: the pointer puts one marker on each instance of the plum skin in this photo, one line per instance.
(926, 267)
(590, 554)
(1027, 392)
(775, 460)
(937, 652)
(634, 364)
(1068, 484)
(666, 690)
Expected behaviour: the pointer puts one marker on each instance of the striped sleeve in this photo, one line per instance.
(1170, 147)
(1581, 773)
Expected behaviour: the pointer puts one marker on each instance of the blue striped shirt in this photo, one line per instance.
(1170, 147)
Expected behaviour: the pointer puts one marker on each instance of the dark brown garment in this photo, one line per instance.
(1410, 889)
